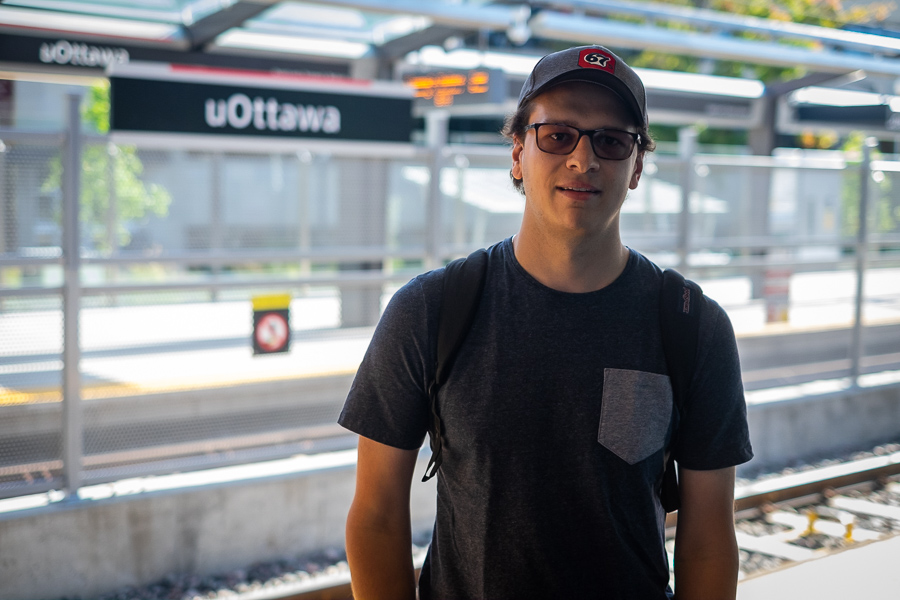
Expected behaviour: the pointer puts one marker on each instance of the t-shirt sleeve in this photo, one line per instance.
(713, 433)
(388, 401)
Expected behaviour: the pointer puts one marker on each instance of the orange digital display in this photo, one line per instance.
(442, 88)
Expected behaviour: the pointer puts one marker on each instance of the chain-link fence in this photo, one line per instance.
(179, 240)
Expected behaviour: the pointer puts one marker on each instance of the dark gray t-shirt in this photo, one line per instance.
(556, 418)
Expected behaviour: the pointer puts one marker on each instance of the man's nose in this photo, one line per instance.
(583, 157)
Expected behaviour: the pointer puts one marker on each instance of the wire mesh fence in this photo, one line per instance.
(178, 244)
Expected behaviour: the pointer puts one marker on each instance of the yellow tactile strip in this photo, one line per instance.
(11, 397)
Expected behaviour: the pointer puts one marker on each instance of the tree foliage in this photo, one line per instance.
(110, 171)
(824, 13)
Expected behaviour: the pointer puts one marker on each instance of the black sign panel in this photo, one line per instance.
(186, 107)
(864, 117)
(702, 105)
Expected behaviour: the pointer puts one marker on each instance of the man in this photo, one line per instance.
(556, 416)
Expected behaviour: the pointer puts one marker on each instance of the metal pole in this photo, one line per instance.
(436, 130)
(5, 222)
(112, 215)
(4, 200)
(72, 425)
(216, 234)
(687, 148)
(862, 248)
(459, 212)
(305, 194)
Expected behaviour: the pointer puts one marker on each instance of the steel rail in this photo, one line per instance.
(793, 489)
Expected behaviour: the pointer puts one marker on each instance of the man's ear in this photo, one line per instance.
(638, 169)
(517, 148)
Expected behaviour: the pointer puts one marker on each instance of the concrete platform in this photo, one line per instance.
(821, 419)
(869, 572)
(135, 531)
(138, 530)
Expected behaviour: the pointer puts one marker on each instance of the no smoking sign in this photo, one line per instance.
(271, 324)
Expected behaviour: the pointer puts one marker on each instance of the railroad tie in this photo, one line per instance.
(865, 507)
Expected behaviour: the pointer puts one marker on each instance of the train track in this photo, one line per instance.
(149, 439)
(780, 521)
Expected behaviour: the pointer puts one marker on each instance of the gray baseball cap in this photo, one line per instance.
(594, 64)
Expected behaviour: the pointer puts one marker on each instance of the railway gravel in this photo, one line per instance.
(265, 580)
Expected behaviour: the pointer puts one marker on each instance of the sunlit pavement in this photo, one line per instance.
(869, 572)
(140, 349)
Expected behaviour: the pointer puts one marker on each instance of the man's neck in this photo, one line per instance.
(572, 263)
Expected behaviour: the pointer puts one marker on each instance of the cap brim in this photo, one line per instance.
(601, 78)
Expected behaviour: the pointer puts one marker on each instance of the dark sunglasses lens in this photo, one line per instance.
(612, 144)
(556, 139)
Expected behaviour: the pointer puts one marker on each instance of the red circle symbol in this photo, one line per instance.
(271, 332)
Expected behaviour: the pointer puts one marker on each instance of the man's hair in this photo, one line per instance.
(517, 122)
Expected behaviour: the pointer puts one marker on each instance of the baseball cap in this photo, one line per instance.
(594, 64)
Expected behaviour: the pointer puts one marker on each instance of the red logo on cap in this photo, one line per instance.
(596, 59)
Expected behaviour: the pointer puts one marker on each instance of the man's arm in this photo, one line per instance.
(706, 553)
(379, 541)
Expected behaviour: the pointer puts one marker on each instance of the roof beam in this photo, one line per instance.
(210, 27)
(433, 35)
(780, 88)
(645, 37)
(472, 18)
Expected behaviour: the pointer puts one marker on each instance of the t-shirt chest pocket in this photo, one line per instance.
(635, 412)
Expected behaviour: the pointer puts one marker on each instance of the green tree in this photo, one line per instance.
(110, 172)
(824, 13)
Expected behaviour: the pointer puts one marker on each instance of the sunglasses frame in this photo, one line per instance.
(636, 139)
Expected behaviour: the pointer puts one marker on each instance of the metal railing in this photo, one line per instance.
(419, 222)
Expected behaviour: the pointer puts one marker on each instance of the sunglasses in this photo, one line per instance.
(612, 144)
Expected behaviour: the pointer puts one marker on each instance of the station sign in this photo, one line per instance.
(439, 89)
(202, 100)
(86, 53)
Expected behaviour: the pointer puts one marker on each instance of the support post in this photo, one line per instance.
(687, 148)
(459, 206)
(363, 205)
(7, 222)
(304, 195)
(72, 424)
(754, 217)
(5, 200)
(216, 217)
(437, 125)
(112, 216)
(862, 249)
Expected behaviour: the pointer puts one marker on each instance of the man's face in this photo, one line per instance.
(578, 193)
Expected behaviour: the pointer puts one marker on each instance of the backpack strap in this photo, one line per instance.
(679, 316)
(463, 285)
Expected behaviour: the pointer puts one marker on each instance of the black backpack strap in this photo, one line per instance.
(679, 314)
(463, 285)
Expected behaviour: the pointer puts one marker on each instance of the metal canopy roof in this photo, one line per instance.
(382, 38)
(387, 29)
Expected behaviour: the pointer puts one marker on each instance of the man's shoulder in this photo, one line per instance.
(642, 273)
(423, 287)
